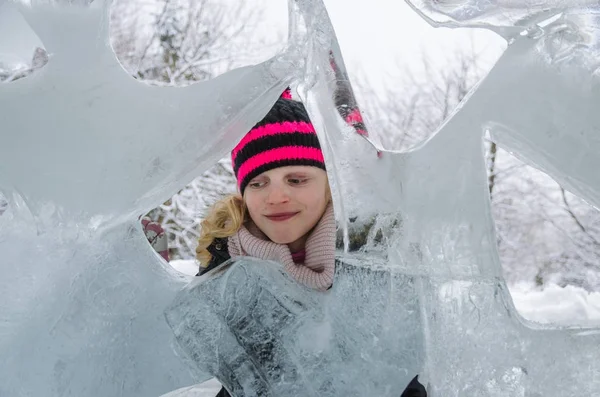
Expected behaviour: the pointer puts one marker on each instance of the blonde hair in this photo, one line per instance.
(224, 219)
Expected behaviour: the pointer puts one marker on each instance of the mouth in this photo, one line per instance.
(282, 216)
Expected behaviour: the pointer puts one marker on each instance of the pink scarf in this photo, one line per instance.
(318, 268)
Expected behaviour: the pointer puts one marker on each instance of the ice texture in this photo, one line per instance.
(17, 40)
(86, 149)
(125, 123)
(430, 208)
(363, 338)
(507, 17)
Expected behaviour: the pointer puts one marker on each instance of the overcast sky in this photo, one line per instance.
(377, 37)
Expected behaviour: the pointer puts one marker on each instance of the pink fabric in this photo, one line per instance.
(354, 117)
(272, 129)
(287, 94)
(299, 257)
(318, 268)
(156, 237)
(282, 153)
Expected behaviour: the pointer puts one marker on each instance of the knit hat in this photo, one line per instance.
(284, 137)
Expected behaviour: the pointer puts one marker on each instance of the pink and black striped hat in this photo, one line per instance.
(284, 137)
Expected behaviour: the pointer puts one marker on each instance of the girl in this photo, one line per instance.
(284, 211)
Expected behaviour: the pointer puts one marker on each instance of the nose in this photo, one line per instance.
(277, 194)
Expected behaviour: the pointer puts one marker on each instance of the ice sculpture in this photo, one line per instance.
(82, 156)
(15, 49)
(85, 149)
(363, 338)
(437, 240)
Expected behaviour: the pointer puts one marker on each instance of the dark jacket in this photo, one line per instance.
(220, 254)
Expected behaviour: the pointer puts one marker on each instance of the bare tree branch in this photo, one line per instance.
(575, 218)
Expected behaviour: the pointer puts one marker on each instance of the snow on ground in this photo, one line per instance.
(185, 266)
(568, 306)
(557, 305)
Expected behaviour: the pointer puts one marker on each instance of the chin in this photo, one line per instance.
(280, 240)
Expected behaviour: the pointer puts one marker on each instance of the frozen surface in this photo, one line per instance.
(254, 312)
(504, 16)
(112, 111)
(432, 209)
(83, 155)
(552, 304)
(17, 40)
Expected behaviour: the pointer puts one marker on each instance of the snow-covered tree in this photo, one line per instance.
(545, 234)
(178, 42)
(181, 215)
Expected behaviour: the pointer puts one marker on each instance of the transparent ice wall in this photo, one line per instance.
(362, 338)
(431, 208)
(83, 154)
(17, 41)
(85, 149)
(538, 102)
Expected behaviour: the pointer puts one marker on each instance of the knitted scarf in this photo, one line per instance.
(318, 268)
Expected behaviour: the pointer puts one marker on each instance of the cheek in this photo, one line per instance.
(252, 203)
(316, 198)
(315, 204)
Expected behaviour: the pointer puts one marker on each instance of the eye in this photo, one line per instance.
(297, 181)
(257, 184)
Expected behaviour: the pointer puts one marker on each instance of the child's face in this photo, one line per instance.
(287, 202)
